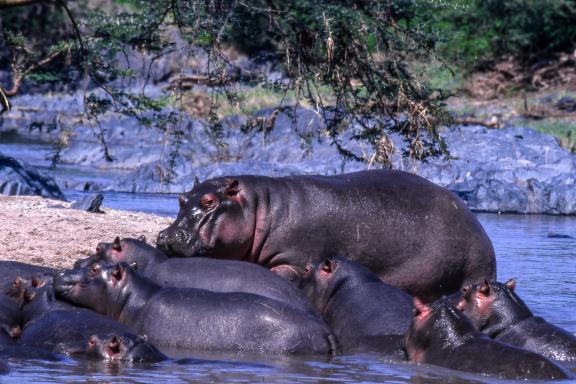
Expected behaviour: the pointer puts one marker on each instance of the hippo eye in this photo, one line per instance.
(94, 270)
(208, 201)
(92, 342)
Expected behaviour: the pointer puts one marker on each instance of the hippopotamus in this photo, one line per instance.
(61, 327)
(9, 270)
(203, 273)
(195, 318)
(497, 311)
(356, 303)
(441, 335)
(10, 319)
(126, 347)
(413, 234)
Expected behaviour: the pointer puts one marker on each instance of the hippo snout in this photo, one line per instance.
(174, 241)
(65, 280)
(162, 240)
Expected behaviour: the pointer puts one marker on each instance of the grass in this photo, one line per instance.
(564, 130)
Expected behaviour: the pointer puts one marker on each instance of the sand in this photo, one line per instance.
(46, 232)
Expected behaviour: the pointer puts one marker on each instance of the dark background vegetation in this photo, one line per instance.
(371, 65)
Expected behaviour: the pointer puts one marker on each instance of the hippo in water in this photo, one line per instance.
(413, 234)
(125, 347)
(199, 272)
(195, 318)
(496, 310)
(364, 312)
(60, 327)
(441, 335)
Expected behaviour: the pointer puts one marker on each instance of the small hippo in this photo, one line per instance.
(195, 318)
(441, 335)
(60, 327)
(496, 310)
(202, 273)
(126, 347)
(10, 319)
(356, 303)
(393, 222)
(10, 269)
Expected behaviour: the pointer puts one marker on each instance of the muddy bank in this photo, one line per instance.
(45, 232)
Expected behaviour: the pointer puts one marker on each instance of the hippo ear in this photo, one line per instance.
(142, 238)
(327, 266)
(28, 296)
(118, 272)
(196, 182)
(485, 288)
(511, 284)
(461, 305)
(17, 282)
(419, 306)
(116, 245)
(15, 332)
(114, 345)
(92, 341)
(232, 187)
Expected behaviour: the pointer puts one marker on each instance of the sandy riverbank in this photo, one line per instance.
(45, 232)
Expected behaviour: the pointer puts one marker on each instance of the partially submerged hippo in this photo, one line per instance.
(496, 310)
(357, 305)
(60, 327)
(412, 233)
(123, 347)
(195, 318)
(441, 335)
(200, 272)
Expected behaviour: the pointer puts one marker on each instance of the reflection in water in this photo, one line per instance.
(544, 267)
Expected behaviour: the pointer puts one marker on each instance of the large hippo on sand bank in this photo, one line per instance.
(412, 233)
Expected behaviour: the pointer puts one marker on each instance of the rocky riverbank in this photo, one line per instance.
(512, 169)
(42, 231)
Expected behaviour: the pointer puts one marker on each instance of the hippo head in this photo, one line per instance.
(89, 287)
(126, 347)
(37, 300)
(216, 219)
(17, 288)
(435, 327)
(320, 281)
(128, 250)
(492, 306)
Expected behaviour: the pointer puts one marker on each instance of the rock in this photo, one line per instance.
(89, 203)
(554, 235)
(19, 178)
(513, 169)
(566, 103)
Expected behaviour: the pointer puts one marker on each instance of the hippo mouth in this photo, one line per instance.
(64, 286)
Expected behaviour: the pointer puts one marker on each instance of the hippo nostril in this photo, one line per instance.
(161, 241)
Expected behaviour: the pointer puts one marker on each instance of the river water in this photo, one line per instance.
(528, 248)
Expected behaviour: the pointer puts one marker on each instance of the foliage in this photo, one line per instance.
(346, 60)
(470, 31)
